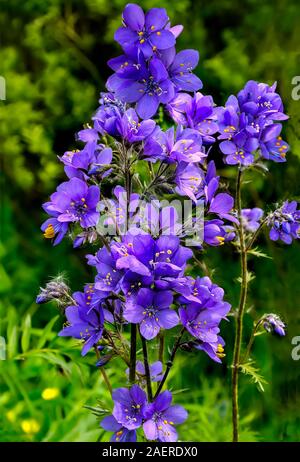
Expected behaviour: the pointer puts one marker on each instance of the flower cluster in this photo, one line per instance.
(132, 411)
(248, 124)
(202, 310)
(141, 262)
(150, 72)
(285, 223)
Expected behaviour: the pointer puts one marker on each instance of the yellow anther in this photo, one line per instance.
(49, 232)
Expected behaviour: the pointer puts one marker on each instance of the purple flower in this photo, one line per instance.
(74, 201)
(131, 129)
(240, 150)
(285, 223)
(148, 86)
(129, 406)
(251, 218)
(175, 146)
(196, 112)
(152, 311)
(54, 229)
(157, 261)
(181, 69)
(93, 159)
(85, 322)
(216, 232)
(220, 204)
(188, 178)
(148, 33)
(108, 276)
(160, 418)
(272, 145)
(110, 110)
(121, 434)
(261, 99)
(273, 323)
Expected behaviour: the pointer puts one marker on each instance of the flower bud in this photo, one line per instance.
(272, 323)
(56, 290)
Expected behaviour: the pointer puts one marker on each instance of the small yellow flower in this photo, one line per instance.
(30, 426)
(50, 393)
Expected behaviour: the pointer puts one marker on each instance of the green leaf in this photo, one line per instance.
(250, 369)
(26, 328)
(46, 333)
(258, 253)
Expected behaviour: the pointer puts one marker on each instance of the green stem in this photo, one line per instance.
(147, 368)
(239, 317)
(251, 341)
(103, 373)
(170, 362)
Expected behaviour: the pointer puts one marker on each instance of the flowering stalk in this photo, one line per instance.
(141, 284)
(239, 315)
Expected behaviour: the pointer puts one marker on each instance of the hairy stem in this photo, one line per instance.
(251, 341)
(103, 373)
(239, 317)
(170, 362)
(147, 368)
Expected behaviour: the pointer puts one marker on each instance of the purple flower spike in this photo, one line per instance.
(160, 418)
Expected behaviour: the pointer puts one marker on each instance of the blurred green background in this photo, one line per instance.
(53, 56)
